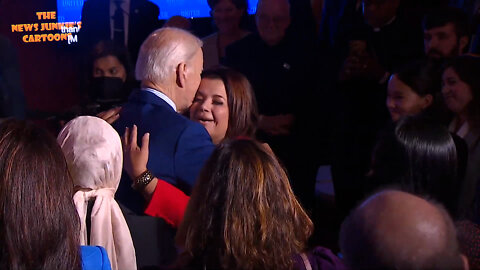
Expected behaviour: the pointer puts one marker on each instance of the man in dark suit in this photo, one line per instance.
(169, 66)
(278, 62)
(138, 18)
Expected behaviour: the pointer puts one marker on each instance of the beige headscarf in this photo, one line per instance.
(93, 151)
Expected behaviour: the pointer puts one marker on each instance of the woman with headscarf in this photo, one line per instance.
(94, 156)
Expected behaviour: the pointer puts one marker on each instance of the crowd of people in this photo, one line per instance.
(205, 154)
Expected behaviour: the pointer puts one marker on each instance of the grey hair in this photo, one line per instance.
(162, 51)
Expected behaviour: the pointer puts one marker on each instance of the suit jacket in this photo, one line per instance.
(178, 147)
(143, 19)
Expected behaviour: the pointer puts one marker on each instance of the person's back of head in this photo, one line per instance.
(398, 230)
(379, 12)
(446, 32)
(243, 213)
(178, 22)
(38, 223)
(423, 76)
(93, 152)
(419, 156)
(171, 60)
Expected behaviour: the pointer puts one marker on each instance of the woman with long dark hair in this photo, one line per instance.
(420, 156)
(461, 92)
(39, 226)
(243, 215)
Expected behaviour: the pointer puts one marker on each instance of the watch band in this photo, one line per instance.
(141, 181)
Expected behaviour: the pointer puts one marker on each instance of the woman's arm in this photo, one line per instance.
(164, 200)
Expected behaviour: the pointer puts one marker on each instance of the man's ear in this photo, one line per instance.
(463, 42)
(427, 101)
(181, 75)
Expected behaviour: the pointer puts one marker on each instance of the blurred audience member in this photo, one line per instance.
(397, 230)
(446, 33)
(418, 156)
(94, 156)
(461, 91)
(230, 17)
(111, 77)
(378, 38)
(178, 22)
(244, 215)
(126, 22)
(413, 89)
(280, 64)
(39, 226)
(108, 83)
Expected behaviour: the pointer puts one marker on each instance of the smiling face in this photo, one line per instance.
(227, 16)
(272, 19)
(457, 94)
(210, 108)
(402, 100)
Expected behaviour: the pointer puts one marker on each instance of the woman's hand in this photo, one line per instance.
(135, 158)
(111, 115)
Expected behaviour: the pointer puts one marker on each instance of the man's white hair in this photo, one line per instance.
(162, 51)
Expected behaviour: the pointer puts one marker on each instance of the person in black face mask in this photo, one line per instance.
(110, 80)
(108, 83)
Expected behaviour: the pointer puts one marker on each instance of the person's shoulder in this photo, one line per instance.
(248, 41)
(94, 258)
(319, 258)
(210, 38)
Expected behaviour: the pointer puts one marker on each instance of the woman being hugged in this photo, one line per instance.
(225, 105)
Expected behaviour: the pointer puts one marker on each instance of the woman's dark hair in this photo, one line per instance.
(242, 106)
(423, 77)
(243, 213)
(467, 67)
(39, 226)
(418, 156)
(239, 4)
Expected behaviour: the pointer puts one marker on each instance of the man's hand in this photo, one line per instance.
(111, 115)
(366, 67)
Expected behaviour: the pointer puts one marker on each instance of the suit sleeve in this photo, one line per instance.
(193, 149)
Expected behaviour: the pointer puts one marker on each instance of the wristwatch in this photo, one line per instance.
(141, 181)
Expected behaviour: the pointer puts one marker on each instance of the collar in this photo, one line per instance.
(378, 29)
(462, 131)
(162, 96)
